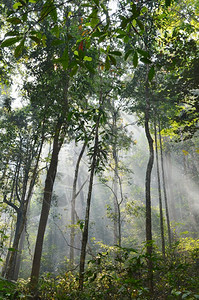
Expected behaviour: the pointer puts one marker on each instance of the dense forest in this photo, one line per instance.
(99, 149)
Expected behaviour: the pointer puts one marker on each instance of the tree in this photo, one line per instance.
(20, 177)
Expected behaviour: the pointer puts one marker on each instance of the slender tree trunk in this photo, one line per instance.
(11, 272)
(49, 183)
(160, 195)
(164, 190)
(87, 215)
(148, 192)
(116, 207)
(73, 210)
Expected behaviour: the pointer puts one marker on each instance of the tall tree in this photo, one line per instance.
(22, 175)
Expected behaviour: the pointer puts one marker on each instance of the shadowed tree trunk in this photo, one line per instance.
(49, 183)
(148, 192)
(12, 269)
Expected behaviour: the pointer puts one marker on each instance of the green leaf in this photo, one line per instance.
(17, 5)
(129, 52)
(74, 71)
(117, 53)
(25, 17)
(151, 73)
(140, 24)
(64, 58)
(19, 49)
(146, 60)
(124, 22)
(107, 63)
(12, 33)
(89, 68)
(126, 39)
(113, 60)
(57, 42)
(143, 53)
(14, 20)
(53, 13)
(98, 33)
(49, 9)
(96, 2)
(167, 3)
(35, 39)
(87, 58)
(135, 59)
(11, 41)
(11, 249)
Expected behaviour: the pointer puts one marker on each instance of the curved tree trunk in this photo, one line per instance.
(148, 192)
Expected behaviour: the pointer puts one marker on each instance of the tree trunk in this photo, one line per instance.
(164, 190)
(160, 195)
(116, 207)
(87, 215)
(73, 210)
(18, 258)
(148, 193)
(49, 183)
(11, 272)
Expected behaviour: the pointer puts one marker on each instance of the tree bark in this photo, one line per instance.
(164, 190)
(12, 269)
(49, 183)
(148, 193)
(160, 195)
(73, 202)
(87, 215)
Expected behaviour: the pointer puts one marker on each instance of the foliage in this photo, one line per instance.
(120, 273)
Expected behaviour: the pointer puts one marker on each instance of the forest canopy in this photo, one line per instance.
(99, 148)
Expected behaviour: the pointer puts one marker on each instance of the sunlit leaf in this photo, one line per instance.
(185, 152)
(17, 5)
(87, 58)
